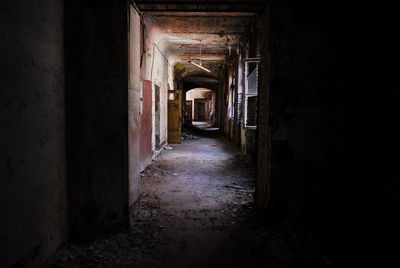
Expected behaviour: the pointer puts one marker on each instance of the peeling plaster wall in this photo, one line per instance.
(226, 120)
(228, 101)
(160, 77)
(240, 100)
(32, 156)
(234, 128)
(133, 112)
(158, 69)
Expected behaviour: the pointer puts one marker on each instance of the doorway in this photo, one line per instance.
(157, 116)
(200, 110)
(189, 109)
(201, 103)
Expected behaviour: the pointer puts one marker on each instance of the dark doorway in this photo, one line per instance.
(157, 115)
(189, 110)
(200, 110)
(146, 127)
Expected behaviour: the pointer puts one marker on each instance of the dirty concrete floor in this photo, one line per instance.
(196, 211)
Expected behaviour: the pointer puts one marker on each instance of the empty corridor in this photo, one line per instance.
(196, 211)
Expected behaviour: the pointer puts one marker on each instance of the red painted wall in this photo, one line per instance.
(146, 126)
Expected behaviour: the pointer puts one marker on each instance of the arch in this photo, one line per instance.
(200, 104)
(200, 80)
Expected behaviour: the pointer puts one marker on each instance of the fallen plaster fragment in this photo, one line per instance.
(234, 186)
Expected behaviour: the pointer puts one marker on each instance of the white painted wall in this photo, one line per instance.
(157, 67)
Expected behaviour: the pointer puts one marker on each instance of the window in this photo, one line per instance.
(251, 92)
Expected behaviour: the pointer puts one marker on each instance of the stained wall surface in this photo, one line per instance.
(155, 67)
(134, 119)
(32, 113)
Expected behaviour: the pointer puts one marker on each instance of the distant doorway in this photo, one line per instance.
(200, 110)
(189, 109)
(201, 104)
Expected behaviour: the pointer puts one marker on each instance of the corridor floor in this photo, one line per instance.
(196, 211)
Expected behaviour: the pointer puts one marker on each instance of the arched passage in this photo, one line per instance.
(206, 88)
(199, 105)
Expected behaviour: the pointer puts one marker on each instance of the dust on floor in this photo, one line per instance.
(196, 211)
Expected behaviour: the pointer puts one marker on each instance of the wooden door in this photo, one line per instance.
(174, 121)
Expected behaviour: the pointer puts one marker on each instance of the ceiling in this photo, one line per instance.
(186, 26)
(201, 5)
(186, 33)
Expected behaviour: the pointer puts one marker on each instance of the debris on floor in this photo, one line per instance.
(196, 211)
(189, 137)
(234, 186)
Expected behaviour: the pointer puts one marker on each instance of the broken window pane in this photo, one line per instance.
(251, 111)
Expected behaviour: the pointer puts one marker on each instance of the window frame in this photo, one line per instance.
(246, 91)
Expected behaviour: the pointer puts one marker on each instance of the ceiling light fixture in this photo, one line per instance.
(200, 65)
